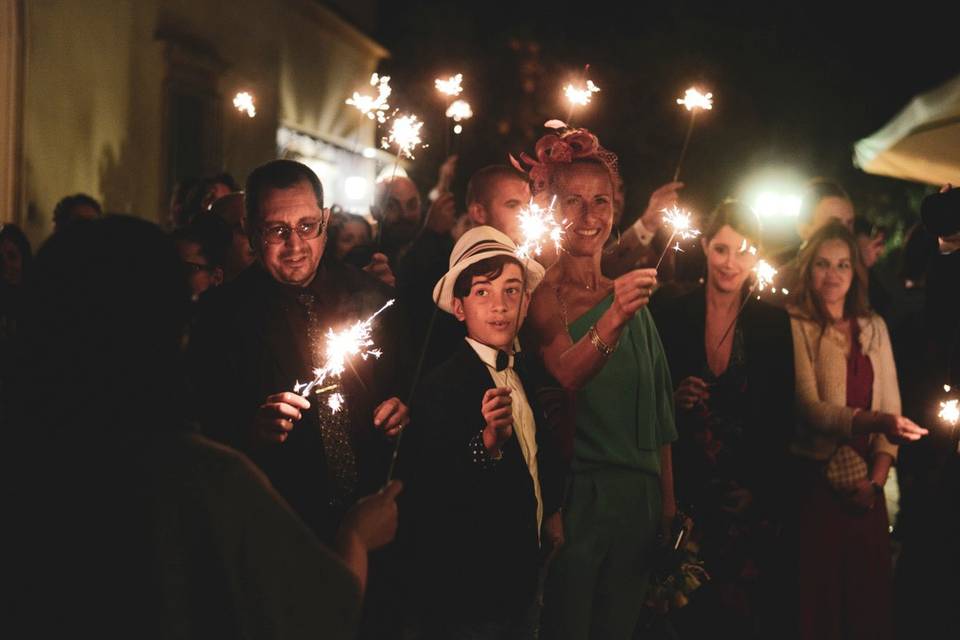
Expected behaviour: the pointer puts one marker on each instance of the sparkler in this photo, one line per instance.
(353, 341)
(243, 102)
(450, 86)
(405, 133)
(580, 97)
(764, 273)
(679, 221)
(693, 101)
(457, 111)
(538, 226)
(949, 409)
(374, 108)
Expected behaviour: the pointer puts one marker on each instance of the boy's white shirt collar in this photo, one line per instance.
(489, 354)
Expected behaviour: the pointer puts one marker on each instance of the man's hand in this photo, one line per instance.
(632, 291)
(497, 410)
(553, 531)
(663, 198)
(391, 416)
(373, 519)
(442, 214)
(379, 268)
(275, 417)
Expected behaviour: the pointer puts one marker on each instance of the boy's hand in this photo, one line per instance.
(497, 410)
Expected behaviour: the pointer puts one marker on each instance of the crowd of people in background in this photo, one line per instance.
(519, 461)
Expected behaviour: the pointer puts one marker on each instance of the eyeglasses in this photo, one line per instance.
(280, 233)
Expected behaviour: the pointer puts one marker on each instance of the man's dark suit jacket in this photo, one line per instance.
(475, 527)
(251, 341)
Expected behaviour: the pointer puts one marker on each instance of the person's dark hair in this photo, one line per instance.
(15, 234)
(815, 191)
(856, 304)
(105, 312)
(738, 216)
(193, 203)
(490, 268)
(484, 180)
(61, 212)
(212, 233)
(919, 247)
(277, 174)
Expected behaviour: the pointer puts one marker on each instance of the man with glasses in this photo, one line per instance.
(264, 332)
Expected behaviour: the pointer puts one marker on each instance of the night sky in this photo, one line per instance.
(795, 85)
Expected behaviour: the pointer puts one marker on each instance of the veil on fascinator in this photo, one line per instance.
(559, 148)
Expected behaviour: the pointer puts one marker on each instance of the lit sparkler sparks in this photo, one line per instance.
(460, 110)
(580, 97)
(538, 226)
(765, 273)
(679, 221)
(450, 86)
(949, 409)
(405, 133)
(243, 102)
(374, 108)
(353, 341)
(693, 99)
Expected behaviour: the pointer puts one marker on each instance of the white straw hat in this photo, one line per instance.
(473, 246)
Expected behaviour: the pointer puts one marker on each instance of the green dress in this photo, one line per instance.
(624, 415)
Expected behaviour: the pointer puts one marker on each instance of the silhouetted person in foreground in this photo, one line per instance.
(125, 522)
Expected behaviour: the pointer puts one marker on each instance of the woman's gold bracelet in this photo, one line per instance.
(598, 343)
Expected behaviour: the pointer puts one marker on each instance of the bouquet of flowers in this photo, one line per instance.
(678, 571)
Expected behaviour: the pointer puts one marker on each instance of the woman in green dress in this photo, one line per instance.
(598, 340)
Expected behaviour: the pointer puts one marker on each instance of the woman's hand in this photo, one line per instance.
(899, 430)
(691, 392)
(863, 497)
(632, 291)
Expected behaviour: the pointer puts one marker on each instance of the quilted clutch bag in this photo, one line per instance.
(845, 468)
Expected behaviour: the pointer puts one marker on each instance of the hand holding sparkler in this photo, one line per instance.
(275, 418)
(632, 291)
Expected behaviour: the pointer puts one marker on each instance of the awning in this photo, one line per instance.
(921, 143)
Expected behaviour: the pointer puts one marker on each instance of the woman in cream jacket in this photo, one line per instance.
(848, 407)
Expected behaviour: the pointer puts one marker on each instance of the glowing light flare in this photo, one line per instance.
(681, 223)
(459, 110)
(458, 129)
(693, 99)
(578, 96)
(372, 107)
(243, 102)
(450, 86)
(353, 341)
(950, 411)
(538, 226)
(746, 247)
(405, 133)
(765, 273)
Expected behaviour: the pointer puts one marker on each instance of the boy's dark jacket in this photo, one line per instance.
(474, 527)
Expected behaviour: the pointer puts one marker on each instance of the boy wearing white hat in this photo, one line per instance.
(477, 464)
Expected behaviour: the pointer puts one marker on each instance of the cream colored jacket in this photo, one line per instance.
(820, 358)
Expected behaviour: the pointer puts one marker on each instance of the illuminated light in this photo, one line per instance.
(578, 96)
(372, 107)
(356, 188)
(458, 129)
(459, 110)
(769, 204)
(450, 86)
(243, 102)
(693, 99)
(370, 152)
(405, 133)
